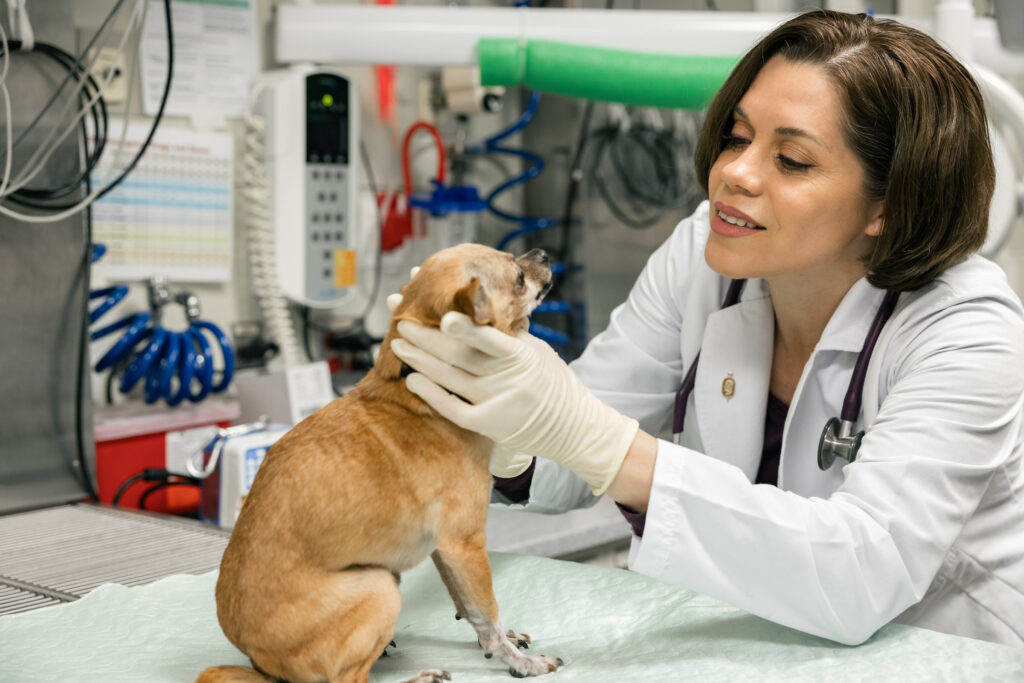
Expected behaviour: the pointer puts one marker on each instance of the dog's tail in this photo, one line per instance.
(233, 674)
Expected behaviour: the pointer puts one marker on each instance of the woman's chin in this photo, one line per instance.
(727, 262)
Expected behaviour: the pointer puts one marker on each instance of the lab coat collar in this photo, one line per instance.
(848, 327)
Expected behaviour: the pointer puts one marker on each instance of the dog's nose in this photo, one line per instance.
(538, 255)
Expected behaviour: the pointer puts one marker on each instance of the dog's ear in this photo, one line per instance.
(474, 302)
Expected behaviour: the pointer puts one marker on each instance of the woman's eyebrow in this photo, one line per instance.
(787, 131)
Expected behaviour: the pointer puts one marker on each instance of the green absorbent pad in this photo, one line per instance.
(606, 624)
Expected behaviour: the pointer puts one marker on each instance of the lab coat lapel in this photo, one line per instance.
(737, 345)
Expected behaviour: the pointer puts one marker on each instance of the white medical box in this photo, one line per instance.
(224, 491)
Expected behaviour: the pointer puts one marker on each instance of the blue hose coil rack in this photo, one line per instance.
(173, 366)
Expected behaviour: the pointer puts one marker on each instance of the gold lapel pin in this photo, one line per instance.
(728, 386)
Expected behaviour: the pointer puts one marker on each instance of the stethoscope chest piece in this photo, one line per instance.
(838, 441)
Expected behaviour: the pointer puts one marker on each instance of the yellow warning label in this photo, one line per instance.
(344, 267)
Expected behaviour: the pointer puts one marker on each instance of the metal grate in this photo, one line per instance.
(60, 554)
(13, 600)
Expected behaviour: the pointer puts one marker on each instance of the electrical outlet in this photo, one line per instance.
(111, 58)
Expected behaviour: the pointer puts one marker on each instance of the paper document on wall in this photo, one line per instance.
(173, 214)
(216, 57)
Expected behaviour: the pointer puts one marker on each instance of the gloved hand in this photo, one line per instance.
(507, 463)
(518, 393)
(504, 463)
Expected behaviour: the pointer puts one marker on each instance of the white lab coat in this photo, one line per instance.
(925, 528)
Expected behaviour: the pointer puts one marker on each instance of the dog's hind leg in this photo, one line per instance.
(466, 572)
(341, 622)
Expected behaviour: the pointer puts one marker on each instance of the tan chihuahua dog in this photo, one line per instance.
(366, 488)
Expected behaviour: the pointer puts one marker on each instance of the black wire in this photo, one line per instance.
(53, 98)
(28, 196)
(184, 481)
(100, 125)
(603, 136)
(304, 314)
(657, 146)
(156, 119)
(160, 109)
(575, 177)
(80, 387)
(124, 487)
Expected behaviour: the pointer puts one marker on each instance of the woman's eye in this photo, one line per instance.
(791, 165)
(733, 141)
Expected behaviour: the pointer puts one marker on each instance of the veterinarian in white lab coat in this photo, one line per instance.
(843, 158)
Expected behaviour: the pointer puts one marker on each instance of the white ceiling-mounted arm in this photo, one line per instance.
(448, 36)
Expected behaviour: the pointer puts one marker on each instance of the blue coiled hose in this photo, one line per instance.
(528, 224)
(173, 365)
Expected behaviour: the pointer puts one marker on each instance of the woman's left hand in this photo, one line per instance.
(517, 392)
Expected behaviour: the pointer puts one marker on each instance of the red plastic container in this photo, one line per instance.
(133, 437)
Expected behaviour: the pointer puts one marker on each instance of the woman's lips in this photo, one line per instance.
(727, 229)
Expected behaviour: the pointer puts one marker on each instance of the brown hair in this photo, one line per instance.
(914, 117)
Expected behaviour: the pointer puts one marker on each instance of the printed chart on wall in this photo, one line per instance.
(172, 216)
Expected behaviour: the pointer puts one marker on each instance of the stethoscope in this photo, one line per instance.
(837, 439)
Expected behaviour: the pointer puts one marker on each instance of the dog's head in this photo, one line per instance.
(491, 287)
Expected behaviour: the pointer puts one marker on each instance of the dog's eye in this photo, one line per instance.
(522, 279)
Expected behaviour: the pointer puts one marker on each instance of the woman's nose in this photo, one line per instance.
(743, 172)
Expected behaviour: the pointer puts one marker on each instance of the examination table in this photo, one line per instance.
(607, 624)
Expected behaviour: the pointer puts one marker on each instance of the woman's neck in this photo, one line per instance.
(803, 309)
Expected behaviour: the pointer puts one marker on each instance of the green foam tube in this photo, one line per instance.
(635, 78)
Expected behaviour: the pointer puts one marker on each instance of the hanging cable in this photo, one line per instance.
(46, 147)
(65, 210)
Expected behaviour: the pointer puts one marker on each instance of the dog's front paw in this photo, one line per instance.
(522, 640)
(535, 665)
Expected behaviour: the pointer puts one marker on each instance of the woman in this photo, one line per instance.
(844, 158)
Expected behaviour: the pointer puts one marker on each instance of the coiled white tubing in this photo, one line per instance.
(257, 218)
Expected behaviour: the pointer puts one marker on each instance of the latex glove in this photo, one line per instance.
(518, 393)
(507, 464)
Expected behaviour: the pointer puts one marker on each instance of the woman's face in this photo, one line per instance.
(786, 191)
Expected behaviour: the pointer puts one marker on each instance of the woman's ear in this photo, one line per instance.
(874, 226)
(474, 302)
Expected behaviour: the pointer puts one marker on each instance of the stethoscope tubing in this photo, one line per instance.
(851, 403)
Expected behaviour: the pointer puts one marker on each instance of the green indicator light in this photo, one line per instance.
(327, 99)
